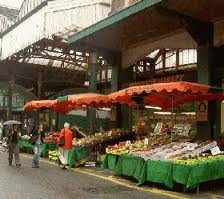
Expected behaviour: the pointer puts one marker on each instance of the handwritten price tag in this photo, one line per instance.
(215, 150)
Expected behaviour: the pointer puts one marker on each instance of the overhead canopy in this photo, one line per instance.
(39, 104)
(80, 101)
(166, 95)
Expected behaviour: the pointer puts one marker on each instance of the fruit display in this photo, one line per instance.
(51, 137)
(182, 129)
(178, 128)
(203, 158)
(126, 148)
(53, 155)
(162, 128)
(25, 137)
(99, 137)
(177, 151)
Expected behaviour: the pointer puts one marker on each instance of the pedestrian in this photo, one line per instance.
(24, 127)
(37, 140)
(141, 129)
(65, 144)
(30, 127)
(13, 145)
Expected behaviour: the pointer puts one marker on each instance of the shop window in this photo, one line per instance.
(188, 56)
(171, 59)
(154, 53)
(1, 101)
(109, 74)
(159, 63)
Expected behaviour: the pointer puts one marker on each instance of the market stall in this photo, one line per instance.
(169, 154)
(87, 147)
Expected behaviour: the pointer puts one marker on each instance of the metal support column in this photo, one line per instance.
(92, 89)
(39, 84)
(10, 96)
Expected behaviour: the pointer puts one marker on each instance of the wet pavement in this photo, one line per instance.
(51, 182)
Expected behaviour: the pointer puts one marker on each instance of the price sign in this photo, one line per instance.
(146, 141)
(128, 143)
(202, 112)
(191, 147)
(215, 150)
(109, 133)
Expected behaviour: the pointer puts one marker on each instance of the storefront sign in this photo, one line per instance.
(202, 111)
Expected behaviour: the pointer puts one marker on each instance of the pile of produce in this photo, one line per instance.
(179, 128)
(126, 148)
(99, 137)
(203, 158)
(25, 137)
(51, 137)
(53, 155)
(177, 151)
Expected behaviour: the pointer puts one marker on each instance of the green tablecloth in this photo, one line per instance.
(76, 155)
(192, 175)
(158, 172)
(49, 146)
(128, 165)
(168, 173)
(24, 144)
(109, 162)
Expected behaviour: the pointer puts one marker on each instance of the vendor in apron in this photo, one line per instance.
(141, 129)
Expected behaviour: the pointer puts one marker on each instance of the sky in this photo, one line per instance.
(11, 3)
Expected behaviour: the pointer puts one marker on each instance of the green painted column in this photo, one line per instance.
(39, 84)
(114, 81)
(125, 77)
(208, 62)
(114, 86)
(10, 96)
(93, 89)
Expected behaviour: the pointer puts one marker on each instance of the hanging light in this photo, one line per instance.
(153, 107)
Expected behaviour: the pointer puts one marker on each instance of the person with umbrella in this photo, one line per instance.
(13, 138)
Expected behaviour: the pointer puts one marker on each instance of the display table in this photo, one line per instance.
(128, 165)
(76, 155)
(167, 173)
(48, 146)
(109, 162)
(26, 145)
(192, 175)
(157, 172)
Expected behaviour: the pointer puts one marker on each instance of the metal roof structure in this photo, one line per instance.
(8, 17)
(38, 40)
(155, 24)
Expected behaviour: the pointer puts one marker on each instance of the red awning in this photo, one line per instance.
(82, 101)
(165, 95)
(39, 104)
